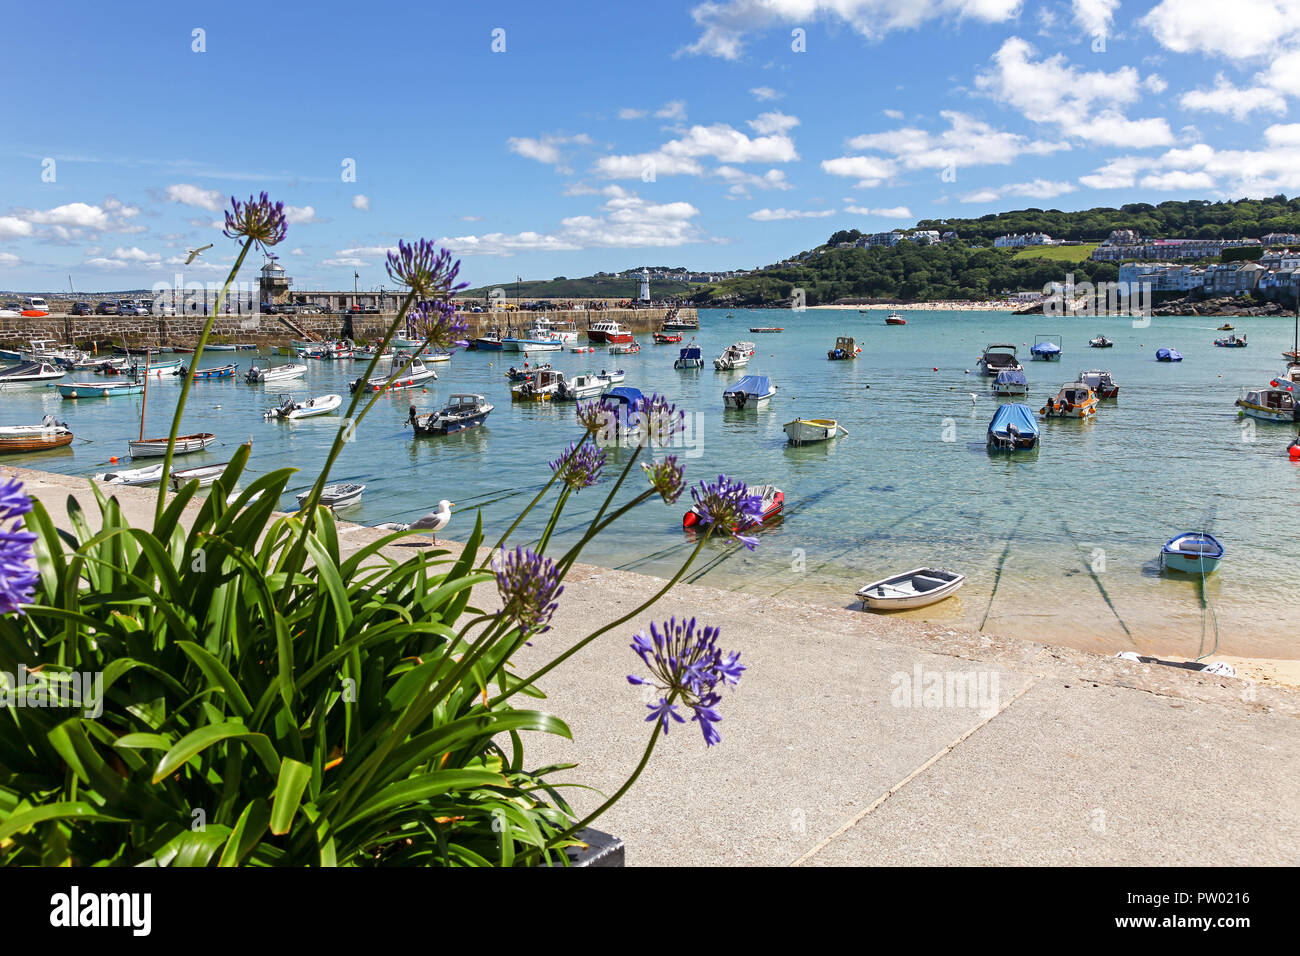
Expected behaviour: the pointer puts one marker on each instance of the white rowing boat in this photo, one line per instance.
(916, 588)
(336, 496)
(149, 475)
(157, 447)
(289, 410)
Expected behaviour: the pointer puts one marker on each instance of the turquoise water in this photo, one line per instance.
(1059, 545)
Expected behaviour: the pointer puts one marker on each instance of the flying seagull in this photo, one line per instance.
(194, 253)
(433, 522)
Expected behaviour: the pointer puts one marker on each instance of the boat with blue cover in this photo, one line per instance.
(1168, 355)
(1011, 383)
(1013, 428)
(1045, 350)
(750, 392)
(1194, 552)
(626, 424)
(689, 357)
(218, 371)
(1231, 342)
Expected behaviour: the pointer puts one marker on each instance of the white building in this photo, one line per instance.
(1027, 239)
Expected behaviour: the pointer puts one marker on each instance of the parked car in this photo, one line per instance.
(287, 309)
(130, 307)
(82, 308)
(106, 308)
(161, 307)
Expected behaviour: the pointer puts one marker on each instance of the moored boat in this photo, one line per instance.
(772, 503)
(895, 319)
(1013, 428)
(541, 387)
(289, 410)
(846, 347)
(1100, 381)
(584, 385)
(1274, 403)
(769, 329)
(689, 357)
(29, 375)
(624, 348)
(462, 411)
(489, 342)
(916, 588)
(1100, 342)
(100, 389)
(751, 391)
(148, 475)
(16, 439)
(1193, 552)
(274, 374)
(732, 357)
(998, 358)
(609, 332)
(667, 338)
(341, 495)
(1011, 382)
(403, 372)
(204, 475)
(157, 447)
(215, 372)
(527, 372)
(805, 431)
(1076, 400)
(1231, 342)
(1168, 355)
(1044, 349)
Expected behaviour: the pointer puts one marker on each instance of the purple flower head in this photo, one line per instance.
(598, 416)
(529, 586)
(659, 420)
(259, 220)
(667, 477)
(425, 269)
(439, 323)
(17, 575)
(580, 465)
(685, 665)
(729, 506)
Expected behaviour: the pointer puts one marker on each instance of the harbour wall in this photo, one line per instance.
(263, 328)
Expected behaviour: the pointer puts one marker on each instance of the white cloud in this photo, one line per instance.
(125, 258)
(1111, 128)
(298, 215)
(895, 212)
(190, 195)
(1178, 180)
(296, 252)
(719, 141)
(869, 171)
(1095, 17)
(8, 260)
(626, 113)
(1228, 99)
(672, 110)
(1035, 189)
(773, 122)
(893, 114)
(1155, 83)
(724, 24)
(765, 93)
(546, 149)
(12, 227)
(776, 215)
(1243, 30)
(349, 261)
(361, 201)
(77, 214)
(1234, 173)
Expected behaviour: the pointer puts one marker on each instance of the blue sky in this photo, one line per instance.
(719, 135)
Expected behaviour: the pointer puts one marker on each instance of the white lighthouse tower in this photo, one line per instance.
(645, 285)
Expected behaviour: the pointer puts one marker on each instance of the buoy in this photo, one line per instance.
(936, 368)
(1294, 452)
(113, 459)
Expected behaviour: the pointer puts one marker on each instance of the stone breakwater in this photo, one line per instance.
(262, 328)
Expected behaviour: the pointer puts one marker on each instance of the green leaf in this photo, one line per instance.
(288, 794)
(247, 833)
(199, 740)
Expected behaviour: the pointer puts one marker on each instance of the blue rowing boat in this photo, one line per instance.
(1013, 428)
(1194, 552)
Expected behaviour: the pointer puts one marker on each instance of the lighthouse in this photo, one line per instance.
(645, 285)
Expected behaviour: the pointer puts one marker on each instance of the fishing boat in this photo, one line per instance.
(609, 332)
(1276, 403)
(846, 347)
(153, 369)
(403, 372)
(1013, 428)
(291, 411)
(229, 347)
(113, 366)
(1168, 355)
(542, 387)
(667, 338)
(217, 371)
(100, 389)
(752, 391)
(148, 475)
(805, 431)
(1012, 382)
(586, 385)
(1101, 382)
(274, 374)
(539, 345)
(675, 322)
(895, 319)
(204, 475)
(336, 496)
(1194, 552)
(1076, 400)
(29, 375)
(491, 342)
(1231, 342)
(527, 372)
(998, 358)
(1100, 342)
(1044, 349)
(732, 357)
(689, 357)
(462, 411)
(15, 439)
(769, 329)
(582, 349)
(772, 504)
(612, 378)
(1225, 327)
(916, 588)
(437, 356)
(624, 348)
(545, 329)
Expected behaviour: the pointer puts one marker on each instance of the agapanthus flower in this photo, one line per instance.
(18, 576)
(658, 419)
(580, 465)
(667, 477)
(530, 588)
(685, 665)
(597, 416)
(259, 220)
(439, 323)
(730, 507)
(425, 269)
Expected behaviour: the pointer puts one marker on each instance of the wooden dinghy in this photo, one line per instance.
(916, 588)
(157, 447)
(15, 439)
(336, 496)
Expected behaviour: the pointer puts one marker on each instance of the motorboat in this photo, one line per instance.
(1226, 327)
(612, 378)
(919, 587)
(29, 375)
(536, 345)
(1275, 403)
(1101, 382)
(998, 358)
(667, 338)
(1011, 382)
(157, 447)
(1231, 342)
(689, 357)
(291, 411)
(274, 374)
(149, 369)
(752, 391)
(462, 411)
(806, 431)
(541, 387)
(1100, 342)
(491, 342)
(1193, 552)
(895, 319)
(1013, 428)
(527, 372)
(204, 475)
(846, 347)
(148, 475)
(624, 348)
(1168, 355)
(336, 496)
(1045, 350)
(100, 389)
(675, 322)
(15, 439)
(403, 372)
(609, 332)
(626, 423)
(732, 357)
(544, 329)
(215, 372)
(768, 329)
(772, 503)
(1076, 400)
(585, 385)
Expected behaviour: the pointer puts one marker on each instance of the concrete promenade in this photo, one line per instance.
(1060, 757)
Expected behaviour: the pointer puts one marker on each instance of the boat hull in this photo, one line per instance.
(886, 596)
(42, 439)
(806, 431)
(97, 390)
(1265, 414)
(157, 447)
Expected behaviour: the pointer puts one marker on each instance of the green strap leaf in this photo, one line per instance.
(294, 776)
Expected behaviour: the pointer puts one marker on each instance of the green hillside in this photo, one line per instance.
(591, 287)
(1058, 253)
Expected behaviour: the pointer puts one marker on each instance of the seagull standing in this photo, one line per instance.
(433, 522)
(973, 398)
(194, 253)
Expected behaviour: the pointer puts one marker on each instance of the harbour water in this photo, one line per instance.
(1059, 545)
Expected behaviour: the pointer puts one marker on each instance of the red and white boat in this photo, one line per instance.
(608, 331)
(667, 338)
(773, 504)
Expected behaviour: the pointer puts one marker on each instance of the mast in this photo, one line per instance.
(144, 402)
